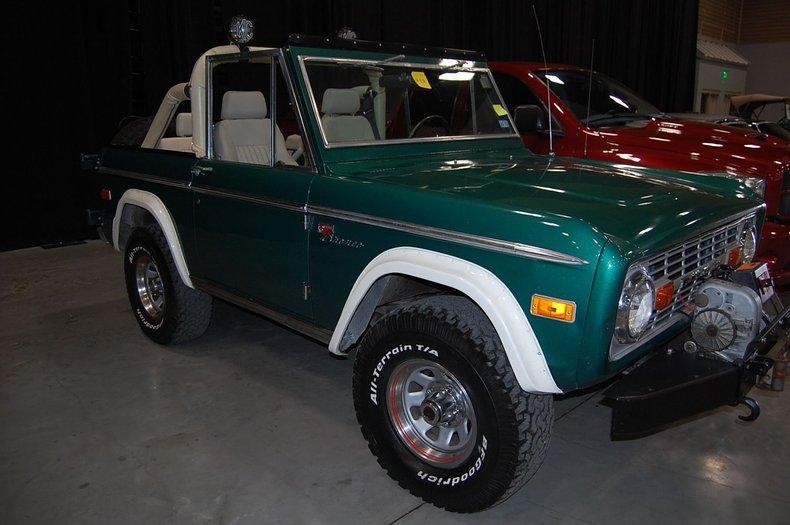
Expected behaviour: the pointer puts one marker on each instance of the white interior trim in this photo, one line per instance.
(153, 204)
(483, 287)
(197, 93)
(173, 98)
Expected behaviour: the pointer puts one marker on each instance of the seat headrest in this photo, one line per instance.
(340, 101)
(239, 105)
(184, 124)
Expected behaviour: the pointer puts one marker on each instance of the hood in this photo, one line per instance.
(638, 209)
(710, 146)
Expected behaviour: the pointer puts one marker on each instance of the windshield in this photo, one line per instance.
(368, 102)
(611, 103)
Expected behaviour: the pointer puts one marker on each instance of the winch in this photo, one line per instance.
(727, 317)
(732, 310)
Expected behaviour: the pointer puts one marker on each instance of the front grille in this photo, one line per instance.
(689, 263)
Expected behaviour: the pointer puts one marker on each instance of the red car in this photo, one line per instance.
(622, 128)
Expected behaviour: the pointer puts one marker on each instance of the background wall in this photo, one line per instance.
(76, 68)
(760, 30)
(769, 72)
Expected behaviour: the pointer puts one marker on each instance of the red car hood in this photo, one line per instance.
(711, 146)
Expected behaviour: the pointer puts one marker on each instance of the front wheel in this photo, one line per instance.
(441, 409)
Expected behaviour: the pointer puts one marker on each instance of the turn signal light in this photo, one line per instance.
(735, 257)
(664, 295)
(558, 309)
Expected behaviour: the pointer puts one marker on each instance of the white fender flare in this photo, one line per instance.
(481, 286)
(156, 207)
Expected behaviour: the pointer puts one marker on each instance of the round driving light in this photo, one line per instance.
(749, 243)
(636, 306)
(241, 30)
(346, 33)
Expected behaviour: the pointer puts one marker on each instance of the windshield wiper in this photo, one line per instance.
(390, 59)
(618, 116)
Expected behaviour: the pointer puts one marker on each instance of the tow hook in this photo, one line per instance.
(754, 409)
(757, 367)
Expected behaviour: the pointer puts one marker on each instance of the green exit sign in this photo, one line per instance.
(725, 74)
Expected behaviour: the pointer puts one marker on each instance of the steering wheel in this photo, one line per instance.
(441, 119)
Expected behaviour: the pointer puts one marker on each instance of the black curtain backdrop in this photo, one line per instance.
(75, 69)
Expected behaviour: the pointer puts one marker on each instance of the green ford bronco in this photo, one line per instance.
(378, 198)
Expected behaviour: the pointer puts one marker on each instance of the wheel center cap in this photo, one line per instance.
(431, 412)
(442, 406)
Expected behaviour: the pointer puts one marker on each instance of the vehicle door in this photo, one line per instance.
(249, 192)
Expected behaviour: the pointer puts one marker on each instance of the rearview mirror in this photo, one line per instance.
(529, 119)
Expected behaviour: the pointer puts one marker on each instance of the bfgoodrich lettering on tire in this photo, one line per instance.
(441, 409)
(166, 309)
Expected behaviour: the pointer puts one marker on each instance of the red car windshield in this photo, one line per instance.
(611, 103)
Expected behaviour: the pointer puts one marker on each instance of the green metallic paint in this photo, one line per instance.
(168, 165)
(254, 249)
(489, 187)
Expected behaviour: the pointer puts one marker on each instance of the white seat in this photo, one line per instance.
(244, 133)
(340, 120)
(183, 140)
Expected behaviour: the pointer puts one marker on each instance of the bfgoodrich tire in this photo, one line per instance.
(167, 310)
(441, 408)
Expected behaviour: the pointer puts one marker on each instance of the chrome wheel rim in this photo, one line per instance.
(150, 287)
(431, 413)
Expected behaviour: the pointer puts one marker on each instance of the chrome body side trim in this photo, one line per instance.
(303, 327)
(488, 243)
(216, 192)
(144, 177)
(467, 239)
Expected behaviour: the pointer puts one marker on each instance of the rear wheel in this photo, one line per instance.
(166, 309)
(441, 409)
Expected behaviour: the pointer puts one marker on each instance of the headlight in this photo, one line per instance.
(749, 242)
(636, 306)
(756, 184)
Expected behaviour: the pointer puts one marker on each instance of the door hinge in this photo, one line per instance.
(305, 291)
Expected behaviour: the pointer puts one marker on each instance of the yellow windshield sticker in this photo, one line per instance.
(420, 79)
(499, 110)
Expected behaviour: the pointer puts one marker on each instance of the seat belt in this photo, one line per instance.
(368, 111)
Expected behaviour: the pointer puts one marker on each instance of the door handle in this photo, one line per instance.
(197, 171)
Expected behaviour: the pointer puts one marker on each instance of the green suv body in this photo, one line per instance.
(403, 218)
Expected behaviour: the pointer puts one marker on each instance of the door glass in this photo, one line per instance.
(241, 115)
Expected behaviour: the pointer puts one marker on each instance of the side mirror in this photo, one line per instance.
(529, 119)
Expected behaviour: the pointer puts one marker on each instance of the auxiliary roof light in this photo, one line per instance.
(241, 30)
(346, 33)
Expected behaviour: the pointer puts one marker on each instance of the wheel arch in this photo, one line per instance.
(126, 218)
(447, 272)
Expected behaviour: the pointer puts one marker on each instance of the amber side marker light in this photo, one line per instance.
(552, 308)
(735, 257)
(664, 295)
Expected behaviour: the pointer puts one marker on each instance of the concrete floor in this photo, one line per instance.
(253, 423)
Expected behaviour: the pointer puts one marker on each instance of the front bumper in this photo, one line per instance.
(774, 249)
(671, 384)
